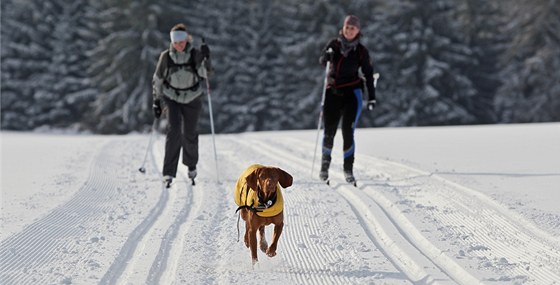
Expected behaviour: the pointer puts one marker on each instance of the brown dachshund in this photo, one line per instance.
(259, 197)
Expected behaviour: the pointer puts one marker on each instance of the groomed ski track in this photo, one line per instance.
(399, 226)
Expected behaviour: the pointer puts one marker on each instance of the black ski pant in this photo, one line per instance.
(346, 104)
(182, 132)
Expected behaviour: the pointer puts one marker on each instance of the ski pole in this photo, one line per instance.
(211, 121)
(329, 52)
(152, 131)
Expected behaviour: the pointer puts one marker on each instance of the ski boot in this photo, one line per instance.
(324, 176)
(324, 172)
(192, 174)
(349, 176)
(167, 180)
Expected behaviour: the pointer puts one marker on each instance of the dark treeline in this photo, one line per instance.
(87, 65)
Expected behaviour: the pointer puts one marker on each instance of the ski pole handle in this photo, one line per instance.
(330, 53)
(204, 49)
(375, 77)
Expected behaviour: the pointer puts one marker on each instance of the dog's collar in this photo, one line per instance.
(266, 204)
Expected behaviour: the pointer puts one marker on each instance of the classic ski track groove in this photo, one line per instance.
(216, 208)
(505, 238)
(164, 266)
(208, 219)
(150, 248)
(136, 242)
(524, 238)
(54, 236)
(512, 216)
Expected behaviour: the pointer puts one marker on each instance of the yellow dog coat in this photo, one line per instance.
(247, 197)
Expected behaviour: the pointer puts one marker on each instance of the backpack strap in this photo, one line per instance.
(171, 64)
(193, 65)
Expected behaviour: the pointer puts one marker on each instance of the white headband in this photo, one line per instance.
(178, 36)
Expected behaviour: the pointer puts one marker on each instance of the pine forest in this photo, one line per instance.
(87, 65)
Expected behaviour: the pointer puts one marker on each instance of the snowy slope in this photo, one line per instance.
(449, 205)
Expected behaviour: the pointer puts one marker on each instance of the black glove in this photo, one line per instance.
(205, 51)
(371, 104)
(157, 108)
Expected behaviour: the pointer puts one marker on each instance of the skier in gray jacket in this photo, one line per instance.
(177, 84)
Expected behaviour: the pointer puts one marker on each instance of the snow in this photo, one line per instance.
(434, 205)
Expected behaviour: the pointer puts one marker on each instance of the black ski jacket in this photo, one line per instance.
(344, 70)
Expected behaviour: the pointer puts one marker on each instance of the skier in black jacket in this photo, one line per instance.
(343, 96)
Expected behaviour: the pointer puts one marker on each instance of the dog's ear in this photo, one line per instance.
(285, 179)
(251, 179)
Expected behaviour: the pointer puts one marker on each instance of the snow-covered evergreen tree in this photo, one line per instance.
(71, 41)
(123, 63)
(428, 85)
(18, 48)
(531, 89)
(297, 66)
(43, 64)
(245, 73)
(482, 22)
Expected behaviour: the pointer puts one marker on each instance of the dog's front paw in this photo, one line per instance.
(271, 252)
